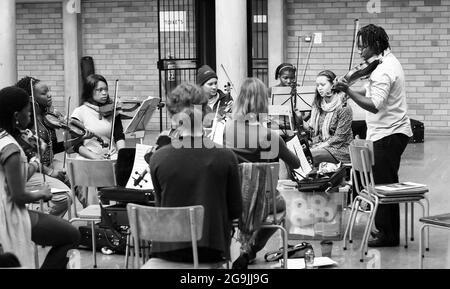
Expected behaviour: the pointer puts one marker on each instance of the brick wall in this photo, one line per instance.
(122, 38)
(419, 34)
(40, 46)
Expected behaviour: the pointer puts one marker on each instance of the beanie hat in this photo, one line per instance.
(204, 74)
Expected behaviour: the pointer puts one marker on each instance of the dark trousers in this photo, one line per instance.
(388, 152)
(48, 230)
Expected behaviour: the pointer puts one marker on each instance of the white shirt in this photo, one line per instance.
(386, 89)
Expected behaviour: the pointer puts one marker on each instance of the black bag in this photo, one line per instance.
(321, 182)
(418, 130)
(104, 237)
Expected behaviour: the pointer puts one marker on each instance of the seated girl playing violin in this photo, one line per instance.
(97, 121)
(56, 176)
(330, 122)
(20, 227)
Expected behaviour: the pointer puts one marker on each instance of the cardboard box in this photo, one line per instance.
(314, 215)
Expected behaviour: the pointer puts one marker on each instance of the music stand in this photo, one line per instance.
(143, 115)
(305, 96)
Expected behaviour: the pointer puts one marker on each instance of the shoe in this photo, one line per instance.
(379, 241)
(241, 262)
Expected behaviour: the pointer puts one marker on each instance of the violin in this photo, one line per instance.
(77, 129)
(360, 71)
(29, 142)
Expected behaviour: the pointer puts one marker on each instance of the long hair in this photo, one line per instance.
(252, 99)
(373, 36)
(318, 98)
(89, 86)
(12, 99)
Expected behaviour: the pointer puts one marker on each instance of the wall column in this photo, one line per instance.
(276, 39)
(231, 42)
(8, 55)
(72, 52)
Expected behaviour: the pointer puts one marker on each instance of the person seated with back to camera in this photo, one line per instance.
(193, 170)
(20, 227)
(249, 108)
(330, 124)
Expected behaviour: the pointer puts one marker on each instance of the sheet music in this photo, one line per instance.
(296, 147)
(139, 166)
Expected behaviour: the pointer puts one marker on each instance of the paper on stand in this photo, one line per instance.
(139, 166)
(295, 146)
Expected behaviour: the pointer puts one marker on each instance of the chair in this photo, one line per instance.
(259, 182)
(437, 221)
(167, 224)
(361, 155)
(90, 173)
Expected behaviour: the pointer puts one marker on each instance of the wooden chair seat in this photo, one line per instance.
(90, 212)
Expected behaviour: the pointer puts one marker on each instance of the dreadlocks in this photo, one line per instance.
(373, 36)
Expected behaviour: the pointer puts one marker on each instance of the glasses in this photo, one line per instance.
(102, 89)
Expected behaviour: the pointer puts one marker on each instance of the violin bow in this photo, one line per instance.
(36, 128)
(355, 32)
(65, 138)
(229, 79)
(113, 122)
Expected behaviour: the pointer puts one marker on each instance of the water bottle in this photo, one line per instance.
(309, 258)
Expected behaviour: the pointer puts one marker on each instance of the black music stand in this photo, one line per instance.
(143, 115)
(281, 95)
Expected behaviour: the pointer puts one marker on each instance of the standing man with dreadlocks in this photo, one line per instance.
(388, 124)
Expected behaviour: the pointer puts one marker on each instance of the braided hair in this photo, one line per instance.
(373, 36)
(25, 83)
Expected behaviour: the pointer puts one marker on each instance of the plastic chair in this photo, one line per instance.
(361, 154)
(90, 173)
(437, 221)
(167, 224)
(259, 185)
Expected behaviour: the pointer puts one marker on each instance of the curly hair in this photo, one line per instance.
(373, 36)
(12, 99)
(25, 83)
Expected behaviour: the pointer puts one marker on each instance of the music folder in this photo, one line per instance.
(143, 115)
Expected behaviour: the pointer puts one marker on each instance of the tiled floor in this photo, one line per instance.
(426, 163)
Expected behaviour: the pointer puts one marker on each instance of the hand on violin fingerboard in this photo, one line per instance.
(340, 84)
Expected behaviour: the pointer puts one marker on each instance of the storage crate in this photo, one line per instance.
(314, 215)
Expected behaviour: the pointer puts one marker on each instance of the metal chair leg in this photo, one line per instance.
(127, 251)
(36, 256)
(347, 228)
(406, 225)
(94, 249)
(412, 221)
(357, 204)
(421, 255)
